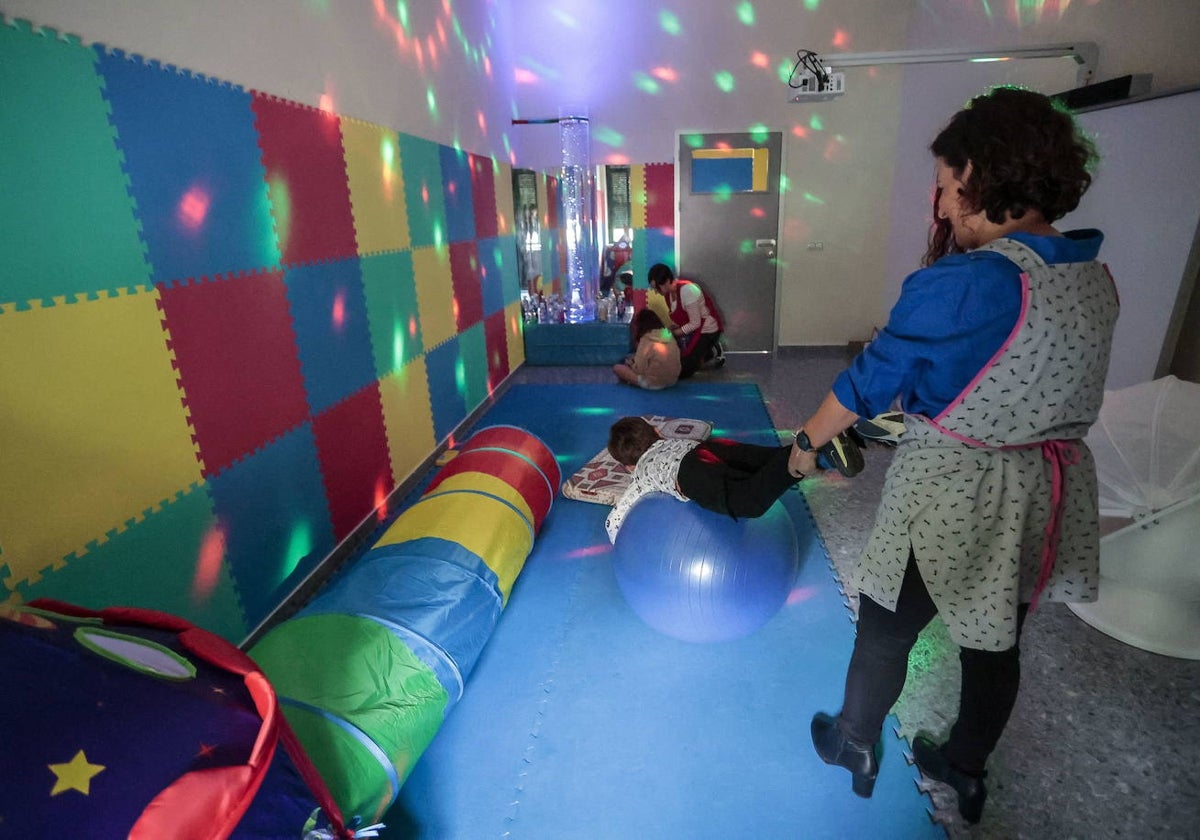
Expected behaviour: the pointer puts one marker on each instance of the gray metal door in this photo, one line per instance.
(729, 228)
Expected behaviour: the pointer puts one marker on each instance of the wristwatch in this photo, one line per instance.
(802, 441)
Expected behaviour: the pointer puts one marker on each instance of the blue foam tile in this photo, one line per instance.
(329, 311)
(499, 273)
(472, 352)
(457, 194)
(660, 246)
(194, 167)
(447, 387)
(275, 518)
(391, 295)
(580, 721)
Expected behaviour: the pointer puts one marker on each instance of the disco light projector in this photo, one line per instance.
(808, 87)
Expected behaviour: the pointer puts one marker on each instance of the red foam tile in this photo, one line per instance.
(483, 196)
(238, 362)
(660, 195)
(302, 149)
(468, 289)
(355, 465)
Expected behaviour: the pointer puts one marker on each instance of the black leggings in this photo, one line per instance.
(737, 479)
(694, 352)
(879, 665)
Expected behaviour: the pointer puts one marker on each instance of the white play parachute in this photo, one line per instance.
(1147, 449)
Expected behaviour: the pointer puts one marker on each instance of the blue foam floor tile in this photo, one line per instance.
(580, 721)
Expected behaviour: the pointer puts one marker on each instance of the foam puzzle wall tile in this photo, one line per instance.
(94, 430)
(329, 316)
(185, 537)
(465, 276)
(457, 194)
(376, 181)
(515, 325)
(194, 168)
(496, 344)
(499, 274)
(355, 463)
(473, 358)
(68, 224)
(390, 288)
(637, 196)
(435, 294)
(408, 418)
(238, 362)
(274, 519)
(659, 246)
(447, 388)
(660, 195)
(306, 176)
(506, 222)
(483, 196)
(424, 196)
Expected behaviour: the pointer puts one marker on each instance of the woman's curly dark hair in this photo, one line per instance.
(1025, 152)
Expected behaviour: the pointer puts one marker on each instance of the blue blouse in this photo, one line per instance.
(949, 322)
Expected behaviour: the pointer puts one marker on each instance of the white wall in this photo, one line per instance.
(352, 56)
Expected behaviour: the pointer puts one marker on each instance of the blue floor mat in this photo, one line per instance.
(580, 721)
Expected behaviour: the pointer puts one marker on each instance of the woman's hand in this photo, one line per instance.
(801, 463)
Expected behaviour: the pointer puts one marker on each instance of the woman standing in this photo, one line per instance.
(997, 351)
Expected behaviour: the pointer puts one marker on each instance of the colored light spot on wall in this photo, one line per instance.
(760, 133)
(439, 234)
(785, 183)
(481, 121)
(665, 74)
(487, 66)
(835, 149)
(693, 141)
(812, 199)
(339, 310)
(325, 103)
(815, 123)
(380, 498)
(669, 23)
(784, 71)
(425, 193)
(193, 208)
(644, 83)
(758, 213)
(746, 246)
(208, 564)
(398, 343)
(724, 81)
(281, 208)
(460, 378)
(841, 38)
(431, 102)
(402, 14)
(300, 544)
(812, 5)
(745, 13)
(760, 59)
(800, 131)
(523, 76)
(608, 136)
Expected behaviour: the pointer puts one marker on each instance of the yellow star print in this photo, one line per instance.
(76, 774)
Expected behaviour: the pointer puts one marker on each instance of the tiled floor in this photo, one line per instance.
(1104, 739)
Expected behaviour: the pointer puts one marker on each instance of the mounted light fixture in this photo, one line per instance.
(815, 78)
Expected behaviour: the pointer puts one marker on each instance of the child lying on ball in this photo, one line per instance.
(722, 475)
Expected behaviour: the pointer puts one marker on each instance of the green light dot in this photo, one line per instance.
(402, 14)
(724, 80)
(815, 123)
(460, 377)
(784, 70)
(438, 234)
(809, 197)
(431, 102)
(745, 13)
(812, 5)
(299, 545)
(644, 83)
(746, 246)
(669, 23)
(608, 136)
(594, 411)
(694, 141)
(759, 132)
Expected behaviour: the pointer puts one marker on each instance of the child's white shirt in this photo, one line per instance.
(657, 471)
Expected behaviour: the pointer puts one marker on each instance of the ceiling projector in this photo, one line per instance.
(807, 86)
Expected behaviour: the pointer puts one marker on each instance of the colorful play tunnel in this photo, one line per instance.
(368, 670)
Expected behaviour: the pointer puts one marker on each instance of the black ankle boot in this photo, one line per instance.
(970, 789)
(836, 748)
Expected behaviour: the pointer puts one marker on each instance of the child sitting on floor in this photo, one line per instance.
(655, 365)
(722, 475)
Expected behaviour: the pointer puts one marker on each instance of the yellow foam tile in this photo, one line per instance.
(376, 179)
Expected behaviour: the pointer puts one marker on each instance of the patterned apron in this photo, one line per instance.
(996, 496)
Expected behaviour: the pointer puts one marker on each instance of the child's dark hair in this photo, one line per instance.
(629, 438)
(1025, 151)
(659, 273)
(645, 321)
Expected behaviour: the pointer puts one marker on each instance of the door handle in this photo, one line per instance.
(766, 245)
